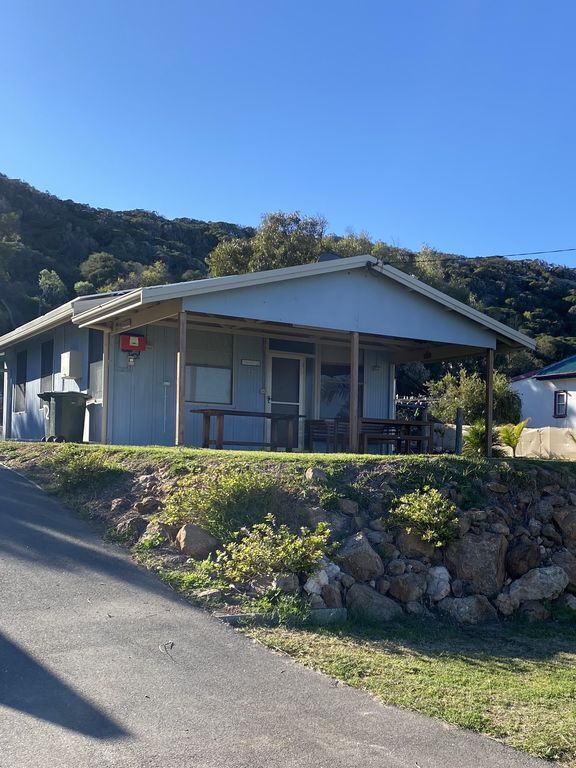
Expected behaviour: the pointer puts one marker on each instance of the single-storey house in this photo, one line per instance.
(549, 395)
(275, 353)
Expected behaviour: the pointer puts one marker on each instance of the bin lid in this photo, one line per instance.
(50, 395)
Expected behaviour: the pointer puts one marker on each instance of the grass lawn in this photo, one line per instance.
(516, 683)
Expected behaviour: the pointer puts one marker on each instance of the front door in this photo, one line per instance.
(285, 395)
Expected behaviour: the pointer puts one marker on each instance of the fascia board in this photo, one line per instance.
(39, 325)
(110, 308)
(230, 282)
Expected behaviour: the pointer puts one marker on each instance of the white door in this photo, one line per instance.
(285, 395)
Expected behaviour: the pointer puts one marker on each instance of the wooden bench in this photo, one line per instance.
(275, 419)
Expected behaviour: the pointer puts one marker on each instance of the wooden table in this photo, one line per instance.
(275, 419)
(400, 434)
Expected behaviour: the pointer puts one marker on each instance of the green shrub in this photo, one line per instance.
(475, 441)
(428, 514)
(510, 434)
(268, 548)
(222, 503)
(75, 468)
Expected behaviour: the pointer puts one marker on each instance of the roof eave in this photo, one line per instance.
(41, 324)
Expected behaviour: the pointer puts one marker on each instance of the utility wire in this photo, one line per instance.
(415, 258)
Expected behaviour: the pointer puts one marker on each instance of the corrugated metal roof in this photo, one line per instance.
(103, 308)
(563, 369)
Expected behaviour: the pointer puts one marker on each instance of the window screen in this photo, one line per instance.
(20, 384)
(209, 368)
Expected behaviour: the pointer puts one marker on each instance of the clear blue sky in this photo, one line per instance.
(447, 122)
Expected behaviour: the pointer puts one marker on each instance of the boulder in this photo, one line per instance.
(338, 523)
(396, 567)
(365, 603)
(495, 487)
(567, 561)
(388, 551)
(332, 570)
(316, 602)
(550, 531)
(195, 542)
(506, 604)
(417, 609)
(565, 519)
(475, 609)
(382, 585)
(118, 505)
(438, 583)
(522, 556)
(374, 537)
(316, 475)
(479, 559)
(408, 587)
(348, 507)
(147, 506)
(287, 583)
(346, 580)
(540, 584)
(412, 545)
(132, 526)
(316, 583)
(332, 596)
(359, 559)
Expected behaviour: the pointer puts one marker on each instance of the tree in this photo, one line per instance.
(52, 289)
(468, 391)
(83, 288)
(281, 240)
(101, 268)
(155, 274)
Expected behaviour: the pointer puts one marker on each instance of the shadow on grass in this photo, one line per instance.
(500, 644)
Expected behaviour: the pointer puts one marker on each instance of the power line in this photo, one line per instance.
(416, 259)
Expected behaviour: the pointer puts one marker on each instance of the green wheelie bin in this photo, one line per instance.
(64, 412)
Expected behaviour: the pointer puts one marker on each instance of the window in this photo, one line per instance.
(335, 383)
(560, 404)
(95, 363)
(209, 368)
(19, 403)
(46, 367)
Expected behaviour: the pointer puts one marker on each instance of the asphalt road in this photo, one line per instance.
(85, 679)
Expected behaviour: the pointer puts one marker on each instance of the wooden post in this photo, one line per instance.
(354, 366)
(180, 377)
(458, 439)
(489, 400)
(105, 387)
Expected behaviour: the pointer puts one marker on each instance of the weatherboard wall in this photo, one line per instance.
(29, 424)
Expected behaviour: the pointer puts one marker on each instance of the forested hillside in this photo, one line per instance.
(40, 232)
(52, 250)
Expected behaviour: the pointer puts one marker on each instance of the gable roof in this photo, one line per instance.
(91, 310)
